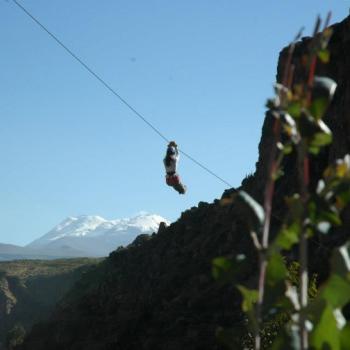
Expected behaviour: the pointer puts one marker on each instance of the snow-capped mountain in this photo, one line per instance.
(95, 236)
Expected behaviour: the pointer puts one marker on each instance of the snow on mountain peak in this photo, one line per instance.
(75, 226)
(146, 222)
(85, 228)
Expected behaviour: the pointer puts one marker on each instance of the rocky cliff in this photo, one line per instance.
(29, 290)
(338, 115)
(337, 118)
(158, 293)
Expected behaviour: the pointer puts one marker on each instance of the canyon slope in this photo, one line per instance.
(29, 290)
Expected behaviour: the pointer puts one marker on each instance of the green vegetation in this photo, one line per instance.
(285, 310)
(25, 269)
(29, 290)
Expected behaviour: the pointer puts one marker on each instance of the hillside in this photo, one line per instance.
(30, 289)
(9, 252)
(159, 294)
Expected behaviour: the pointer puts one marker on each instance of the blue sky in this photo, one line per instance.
(200, 71)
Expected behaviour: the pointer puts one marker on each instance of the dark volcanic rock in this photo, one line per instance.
(158, 293)
(337, 118)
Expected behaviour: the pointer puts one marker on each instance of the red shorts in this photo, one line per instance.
(172, 180)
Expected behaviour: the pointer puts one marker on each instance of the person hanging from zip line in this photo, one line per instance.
(170, 162)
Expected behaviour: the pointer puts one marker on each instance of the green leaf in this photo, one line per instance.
(288, 236)
(294, 109)
(318, 107)
(276, 273)
(318, 140)
(278, 174)
(314, 150)
(250, 298)
(321, 139)
(312, 208)
(315, 131)
(324, 55)
(221, 267)
(276, 270)
(287, 149)
(343, 198)
(336, 291)
(345, 337)
(325, 334)
(330, 216)
(253, 205)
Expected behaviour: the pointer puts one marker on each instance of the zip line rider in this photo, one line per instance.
(170, 162)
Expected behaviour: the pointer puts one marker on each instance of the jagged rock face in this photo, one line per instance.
(337, 117)
(158, 293)
(338, 120)
(7, 299)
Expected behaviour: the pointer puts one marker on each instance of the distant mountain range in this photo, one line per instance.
(84, 236)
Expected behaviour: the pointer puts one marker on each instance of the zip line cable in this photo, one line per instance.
(108, 87)
(58, 41)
